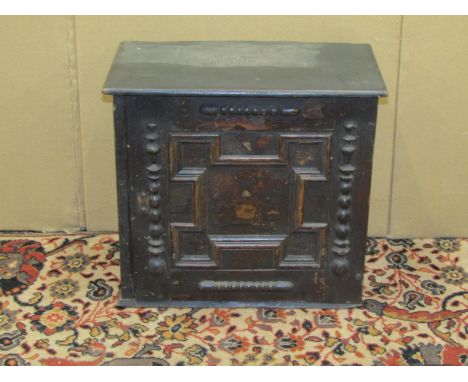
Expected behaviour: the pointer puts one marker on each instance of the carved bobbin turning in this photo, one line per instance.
(156, 249)
(341, 245)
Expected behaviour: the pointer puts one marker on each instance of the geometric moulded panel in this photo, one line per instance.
(267, 210)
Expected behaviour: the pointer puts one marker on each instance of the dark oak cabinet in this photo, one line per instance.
(243, 172)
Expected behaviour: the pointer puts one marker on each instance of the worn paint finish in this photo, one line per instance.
(247, 68)
(248, 200)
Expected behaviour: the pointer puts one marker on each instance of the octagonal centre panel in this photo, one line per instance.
(247, 200)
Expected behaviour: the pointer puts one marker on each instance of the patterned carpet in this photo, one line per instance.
(58, 295)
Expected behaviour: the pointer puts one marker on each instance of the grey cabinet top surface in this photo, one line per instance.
(245, 68)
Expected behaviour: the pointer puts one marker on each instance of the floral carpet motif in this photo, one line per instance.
(58, 296)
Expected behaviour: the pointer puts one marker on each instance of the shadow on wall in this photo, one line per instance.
(403, 224)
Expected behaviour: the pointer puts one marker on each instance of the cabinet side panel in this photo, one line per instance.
(352, 154)
(126, 264)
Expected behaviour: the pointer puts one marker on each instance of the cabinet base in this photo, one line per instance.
(133, 303)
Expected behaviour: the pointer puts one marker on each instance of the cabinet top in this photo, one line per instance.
(245, 68)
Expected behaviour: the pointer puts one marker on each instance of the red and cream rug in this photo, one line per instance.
(58, 295)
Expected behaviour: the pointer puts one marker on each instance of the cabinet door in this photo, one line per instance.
(244, 199)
